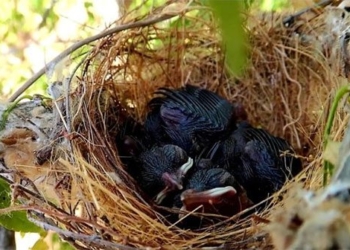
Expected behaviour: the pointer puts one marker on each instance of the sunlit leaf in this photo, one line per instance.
(62, 245)
(39, 6)
(89, 10)
(40, 244)
(273, 5)
(16, 220)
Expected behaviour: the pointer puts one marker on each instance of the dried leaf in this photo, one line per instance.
(331, 153)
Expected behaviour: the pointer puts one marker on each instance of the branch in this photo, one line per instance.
(89, 239)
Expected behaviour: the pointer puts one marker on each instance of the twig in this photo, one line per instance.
(251, 239)
(72, 220)
(67, 99)
(47, 13)
(297, 83)
(86, 41)
(89, 239)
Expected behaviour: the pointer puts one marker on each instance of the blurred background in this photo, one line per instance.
(33, 32)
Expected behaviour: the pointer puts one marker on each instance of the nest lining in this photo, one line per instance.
(287, 89)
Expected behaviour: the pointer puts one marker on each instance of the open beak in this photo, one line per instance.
(209, 199)
(173, 182)
(185, 167)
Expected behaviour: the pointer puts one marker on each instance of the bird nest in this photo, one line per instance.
(82, 190)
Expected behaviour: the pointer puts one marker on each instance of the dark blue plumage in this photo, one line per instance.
(190, 117)
(160, 170)
(154, 128)
(262, 173)
(207, 189)
(236, 166)
(260, 162)
(130, 141)
(216, 191)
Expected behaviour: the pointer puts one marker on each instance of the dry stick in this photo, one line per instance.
(86, 41)
(89, 239)
(251, 239)
(298, 98)
(70, 220)
(68, 114)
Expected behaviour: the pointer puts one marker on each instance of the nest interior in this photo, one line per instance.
(287, 88)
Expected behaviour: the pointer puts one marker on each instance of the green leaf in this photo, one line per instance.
(62, 245)
(38, 5)
(273, 5)
(40, 244)
(327, 166)
(5, 197)
(17, 220)
(234, 37)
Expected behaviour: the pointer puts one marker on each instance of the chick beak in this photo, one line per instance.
(185, 167)
(172, 183)
(192, 199)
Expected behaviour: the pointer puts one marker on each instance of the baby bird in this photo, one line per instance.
(160, 170)
(216, 191)
(154, 127)
(208, 190)
(190, 117)
(130, 140)
(260, 162)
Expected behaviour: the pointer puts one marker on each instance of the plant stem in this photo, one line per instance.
(327, 166)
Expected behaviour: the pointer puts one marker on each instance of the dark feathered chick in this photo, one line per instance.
(130, 140)
(207, 190)
(161, 170)
(260, 162)
(190, 117)
(216, 191)
(154, 128)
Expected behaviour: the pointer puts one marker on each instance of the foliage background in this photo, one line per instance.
(33, 32)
